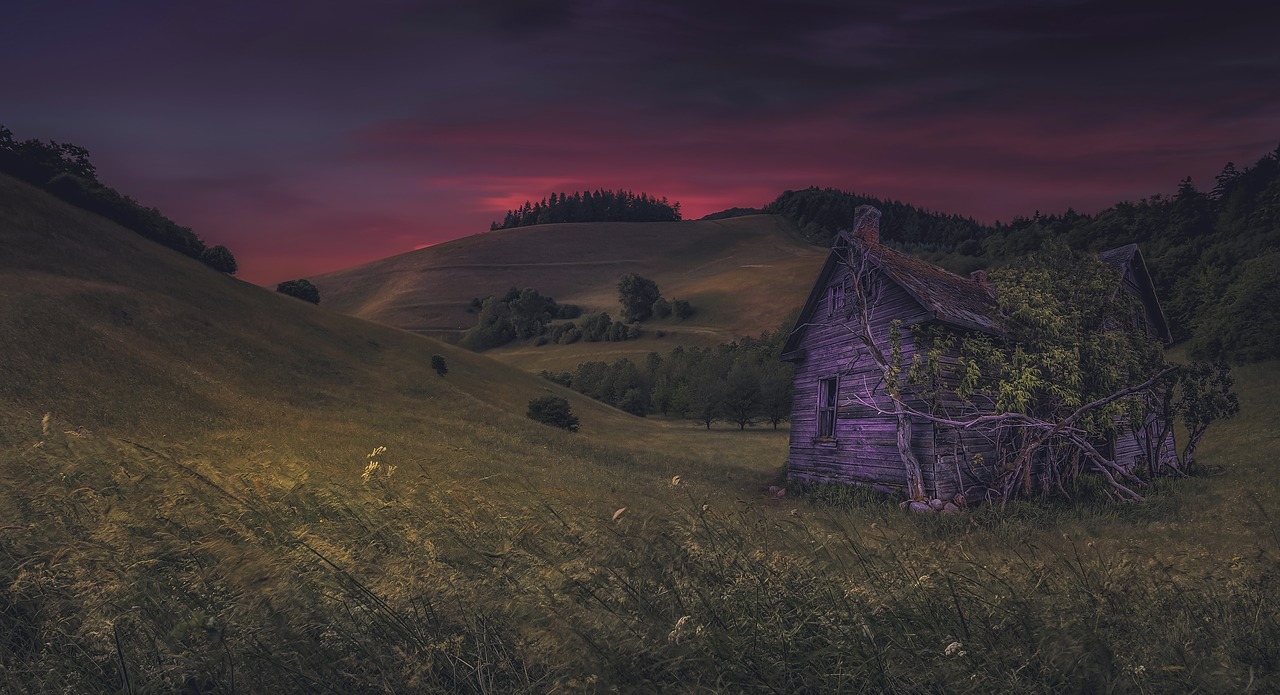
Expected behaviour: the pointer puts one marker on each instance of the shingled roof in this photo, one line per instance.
(951, 299)
(945, 296)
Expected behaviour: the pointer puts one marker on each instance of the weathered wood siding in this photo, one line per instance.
(1134, 445)
(966, 462)
(864, 449)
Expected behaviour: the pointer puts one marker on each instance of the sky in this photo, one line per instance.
(309, 136)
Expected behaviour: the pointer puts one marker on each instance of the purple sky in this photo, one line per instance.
(310, 136)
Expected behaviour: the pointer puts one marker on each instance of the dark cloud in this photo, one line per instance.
(313, 134)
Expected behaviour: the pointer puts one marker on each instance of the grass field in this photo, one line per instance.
(184, 508)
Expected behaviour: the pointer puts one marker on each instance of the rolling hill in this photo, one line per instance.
(743, 275)
(117, 334)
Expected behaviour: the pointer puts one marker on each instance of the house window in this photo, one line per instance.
(827, 390)
(835, 298)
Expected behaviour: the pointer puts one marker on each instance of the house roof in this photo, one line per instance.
(951, 299)
(1118, 258)
(955, 300)
(1127, 260)
(945, 296)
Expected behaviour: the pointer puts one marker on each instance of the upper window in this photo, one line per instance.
(835, 298)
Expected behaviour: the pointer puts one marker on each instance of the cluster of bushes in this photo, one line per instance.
(516, 315)
(679, 308)
(65, 171)
(554, 411)
(591, 206)
(641, 300)
(301, 289)
(742, 383)
(594, 328)
(527, 313)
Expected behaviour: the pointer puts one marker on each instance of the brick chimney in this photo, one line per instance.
(980, 277)
(866, 224)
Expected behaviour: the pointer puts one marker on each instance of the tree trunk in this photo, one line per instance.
(915, 476)
(1189, 453)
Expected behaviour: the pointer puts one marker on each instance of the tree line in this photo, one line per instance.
(591, 206)
(66, 171)
(1211, 253)
(742, 383)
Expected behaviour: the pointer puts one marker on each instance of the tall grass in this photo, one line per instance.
(127, 568)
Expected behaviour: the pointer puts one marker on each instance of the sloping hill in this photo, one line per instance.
(743, 275)
(115, 333)
(177, 446)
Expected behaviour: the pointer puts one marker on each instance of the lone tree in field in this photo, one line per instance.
(681, 308)
(637, 295)
(438, 364)
(554, 411)
(302, 289)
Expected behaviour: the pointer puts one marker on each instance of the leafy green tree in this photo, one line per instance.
(595, 328)
(681, 308)
(438, 364)
(554, 411)
(637, 295)
(775, 393)
(1206, 397)
(301, 289)
(1243, 324)
(742, 399)
(1076, 360)
(493, 326)
(705, 393)
(661, 308)
(1072, 337)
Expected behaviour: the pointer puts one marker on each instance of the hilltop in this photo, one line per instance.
(743, 275)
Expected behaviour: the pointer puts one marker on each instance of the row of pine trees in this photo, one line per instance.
(592, 206)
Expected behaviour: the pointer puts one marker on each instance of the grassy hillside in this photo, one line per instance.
(117, 334)
(182, 508)
(743, 275)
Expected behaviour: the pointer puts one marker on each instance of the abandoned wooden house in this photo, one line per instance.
(843, 425)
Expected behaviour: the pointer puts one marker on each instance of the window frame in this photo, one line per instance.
(828, 406)
(835, 297)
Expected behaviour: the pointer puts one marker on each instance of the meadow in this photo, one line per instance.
(208, 487)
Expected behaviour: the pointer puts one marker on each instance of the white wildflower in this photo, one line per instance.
(678, 631)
